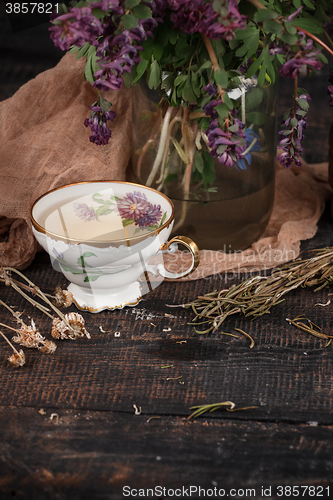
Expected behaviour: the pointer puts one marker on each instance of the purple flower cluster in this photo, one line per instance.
(295, 124)
(303, 61)
(119, 53)
(76, 27)
(136, 207)
(330, 88)
(197, 16)
(116, 52)
(84, 212)
(226, 143)
(98, 125)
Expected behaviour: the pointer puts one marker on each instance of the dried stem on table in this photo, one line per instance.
(257, 295)
(201, 409)
(18, 358)
(65, 326)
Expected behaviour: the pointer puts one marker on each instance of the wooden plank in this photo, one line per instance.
(83, 455)
(287, 374)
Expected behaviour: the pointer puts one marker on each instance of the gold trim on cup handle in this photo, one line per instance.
(191, 246)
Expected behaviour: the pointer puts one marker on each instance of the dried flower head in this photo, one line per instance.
(76, 328)
(17, 359)
(62, 298)
(29, 336)
(49, 347)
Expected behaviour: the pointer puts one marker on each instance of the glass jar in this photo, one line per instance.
(220, 207)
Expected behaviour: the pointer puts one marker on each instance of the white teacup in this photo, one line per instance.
(102, 234)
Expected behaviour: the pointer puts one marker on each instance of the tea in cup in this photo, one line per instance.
(102, 235)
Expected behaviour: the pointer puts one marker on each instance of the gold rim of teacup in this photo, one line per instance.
(74, 241)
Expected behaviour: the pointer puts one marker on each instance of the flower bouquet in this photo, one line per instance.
(203, 57)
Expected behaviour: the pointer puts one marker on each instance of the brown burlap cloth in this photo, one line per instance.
(44, 144)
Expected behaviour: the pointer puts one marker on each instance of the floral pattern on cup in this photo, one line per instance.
(133, 208)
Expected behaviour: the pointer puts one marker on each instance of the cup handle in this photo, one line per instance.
(170, 247)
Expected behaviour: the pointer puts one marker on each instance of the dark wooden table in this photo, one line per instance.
(68, 424)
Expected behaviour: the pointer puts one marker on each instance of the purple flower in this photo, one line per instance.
(195, 16)
(84, 212)
(303, 62)
(77, 27)
(250, 138)
(136, 207)
(98, 125)
(295, 124)
(224, 144)
(133, 205)
(294, 14)
(152, 215)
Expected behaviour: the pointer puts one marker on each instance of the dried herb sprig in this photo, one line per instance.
(308, 326)
(5, 275)
(200, 409)
(18, 358)
(29, 336)
(255, 296)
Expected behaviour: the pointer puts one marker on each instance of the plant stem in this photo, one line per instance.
(161, 146)
(329, 38)
(257, 4)
(11, 345)
(316, 39)
(16, 316)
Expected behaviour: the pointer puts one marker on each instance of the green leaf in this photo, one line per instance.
(131, 3)
(311, 25)
(309, 4)
(168, 81)
(221, 78)
(173, 36)
(216, 5)
(205, 65)
(180, 79)
(228, 101)
(297, 3)
(127, 222)
(262, 74)
(187, 92)
(290, 28)
(265, 14)
(222, 110)
(140, 69)
(88, 73)
(243, 34)
(129, 21)
(271, 26)
(104, 210)
(253, 98)
(208, 173)
(157, 51)
(195, 82)
(99, 13)
(155, 75)
(83, 50)
(256, 118)
(254, 66)
(289, 39)
(92, 278)
(302, 103)
(74, 49)
(198, 162)
(142, 11)
(89, 254)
